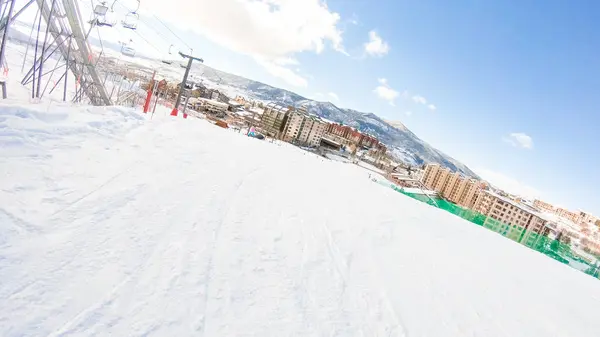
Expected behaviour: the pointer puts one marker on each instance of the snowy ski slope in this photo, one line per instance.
(112, 224)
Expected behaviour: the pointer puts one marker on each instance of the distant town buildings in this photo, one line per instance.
(579, 217)
(512, 216)
(299, 126)
(566, 214)
(588, 219)
(293, 125)
(544, 206)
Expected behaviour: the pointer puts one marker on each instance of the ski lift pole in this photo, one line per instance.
(67, 69)
(149, 94)
(9, 20)
(185, 77)
(39, 83)
(156, 101)
(37, 39)
(3, 45)
(29, 41)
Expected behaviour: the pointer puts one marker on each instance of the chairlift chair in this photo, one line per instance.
(131, 20)
(167, 61)
(126, 49)
(100, 12)
(101, 9)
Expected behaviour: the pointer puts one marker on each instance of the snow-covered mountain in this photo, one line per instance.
(403, 143)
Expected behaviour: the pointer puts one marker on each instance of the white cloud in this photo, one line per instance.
(286, 61)
(519, 139)
(282, 72)
(419, 99)
(508, 184)
(333, 95)
(270, 31)
(384, 91)
(376, 46)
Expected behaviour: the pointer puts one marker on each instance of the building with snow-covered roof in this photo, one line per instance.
(517, 221)
(213, 106)
(234, 105)
(544, 205)
(404, 180)
(256, 110)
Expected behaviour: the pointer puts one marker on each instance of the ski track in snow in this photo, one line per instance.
(172, 227)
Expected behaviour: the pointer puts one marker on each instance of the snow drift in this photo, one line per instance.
(113, 224)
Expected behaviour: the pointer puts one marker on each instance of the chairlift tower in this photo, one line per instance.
(191, 59)
(64, 33)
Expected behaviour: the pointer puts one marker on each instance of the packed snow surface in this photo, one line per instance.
(112, 224)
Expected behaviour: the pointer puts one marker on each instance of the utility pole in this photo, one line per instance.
(185, 77)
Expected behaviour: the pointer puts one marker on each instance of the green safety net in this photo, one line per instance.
(555, 249)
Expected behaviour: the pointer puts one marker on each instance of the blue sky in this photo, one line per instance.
(507, 87)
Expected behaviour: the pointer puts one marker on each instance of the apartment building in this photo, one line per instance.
(303, 128)
(579, 217)
(585, 218)
(343, 134)
(368, 141)
(452, 186)
(351, 137)
(483, 203)
(214, 107)
(468, 192)
(450, 189)
(516, 221)
(566, 214)
(545, 206)
(435, 177)
(440, 179)
(273, 119)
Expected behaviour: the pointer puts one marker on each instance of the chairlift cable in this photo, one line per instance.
(160, 34)
(169, 29)
(143, 38)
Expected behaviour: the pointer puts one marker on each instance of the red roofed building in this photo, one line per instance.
(348, 135)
